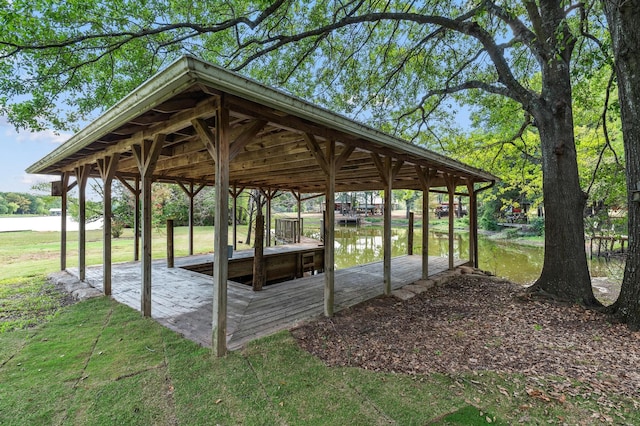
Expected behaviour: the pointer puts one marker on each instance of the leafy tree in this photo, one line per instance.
(23, 203)
(4, 208)
(418, 56)
(622, 18)
(409, 198)
(12, 208)
(404, 65)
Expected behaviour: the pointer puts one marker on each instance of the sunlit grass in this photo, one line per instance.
(98, 362)
(30, 254)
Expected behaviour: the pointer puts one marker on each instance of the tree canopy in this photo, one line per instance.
(526, 69)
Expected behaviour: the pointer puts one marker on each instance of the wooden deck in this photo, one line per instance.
(182, 299)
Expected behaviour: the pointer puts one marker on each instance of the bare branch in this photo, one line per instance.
(605, 130)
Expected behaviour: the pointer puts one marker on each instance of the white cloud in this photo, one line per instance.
(46, 136)
(31, 180)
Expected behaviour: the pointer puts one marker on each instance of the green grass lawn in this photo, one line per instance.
(99, 362)
(26, 253)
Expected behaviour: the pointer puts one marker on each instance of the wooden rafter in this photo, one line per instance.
(315, 149)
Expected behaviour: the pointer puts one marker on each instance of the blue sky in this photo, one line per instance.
(22, 149)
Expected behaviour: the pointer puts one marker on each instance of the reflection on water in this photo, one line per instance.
(516, 262)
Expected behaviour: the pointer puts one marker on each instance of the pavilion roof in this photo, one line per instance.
(280, 140)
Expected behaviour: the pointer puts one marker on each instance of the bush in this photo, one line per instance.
(537, 226)
(488, 221)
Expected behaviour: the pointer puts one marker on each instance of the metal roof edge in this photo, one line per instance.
(153, 91)
(189, 70)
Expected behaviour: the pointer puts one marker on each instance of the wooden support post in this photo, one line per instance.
(135, 191)
(170, 246)
(82, 175)
(388, 171)
(221, 238)
(63, 221)
(191, 193)
(136, 220)
(107, 168)
(235, 193)
(450, 180)
(473, 225)
(259, 273)
(424, 175)
(218, 146)
(234, 220)
(268, 221)
(146, 155)
(410, 236)
(425, 234)
(388, 194)
(298, 198)
(329, 229)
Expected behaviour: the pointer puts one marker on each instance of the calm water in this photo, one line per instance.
(515, 262)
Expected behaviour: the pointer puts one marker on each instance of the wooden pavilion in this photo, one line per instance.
(196, 125)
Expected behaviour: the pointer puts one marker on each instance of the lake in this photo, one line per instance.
(516, 262)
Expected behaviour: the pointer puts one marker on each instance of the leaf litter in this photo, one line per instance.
(474, 324)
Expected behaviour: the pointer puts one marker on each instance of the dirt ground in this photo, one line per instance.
(475, 323)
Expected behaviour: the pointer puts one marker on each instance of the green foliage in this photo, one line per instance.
(537, 226)
(23, 203)
(487, 214)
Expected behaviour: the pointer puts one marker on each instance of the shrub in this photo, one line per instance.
(537, 226)
(488, 221)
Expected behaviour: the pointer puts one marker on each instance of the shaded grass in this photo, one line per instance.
(98, 362)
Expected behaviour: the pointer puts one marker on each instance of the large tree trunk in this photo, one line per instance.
(622, 17)
(565, 273)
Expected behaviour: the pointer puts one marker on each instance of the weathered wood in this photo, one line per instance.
(473, 225)
(63, 221)
(136, 219)
(281, 263)
(316, 150)
(245, 138)
(221, 236)
(451, 187)
(146, 155)
(107, 168)
(82, 175)
(191, 193)
(386, 239)
(135, 191)
(207, 137)
(410, 236)
(269, 195)
(380, 167)
(424, 176)
(329, 231)
(170, 246)
(259, 273)
(251, 314)
(235, 193)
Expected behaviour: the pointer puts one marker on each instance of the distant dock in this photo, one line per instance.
(349, 220)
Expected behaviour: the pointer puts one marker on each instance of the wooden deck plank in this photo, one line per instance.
(182, 299)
